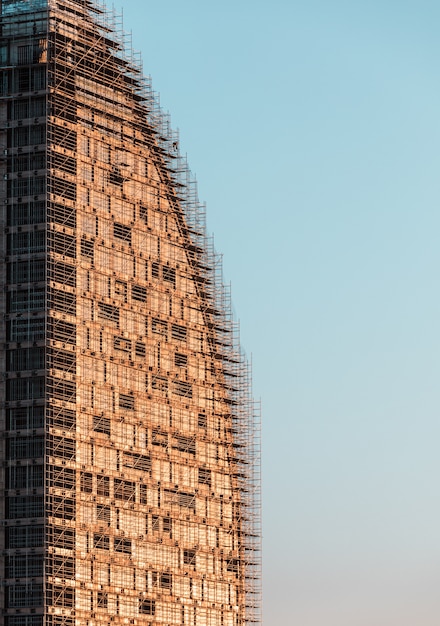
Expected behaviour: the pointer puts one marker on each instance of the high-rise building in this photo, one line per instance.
(129, 482)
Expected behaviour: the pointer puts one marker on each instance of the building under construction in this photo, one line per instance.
(129, 482)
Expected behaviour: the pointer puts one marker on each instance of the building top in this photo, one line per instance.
(8, 7)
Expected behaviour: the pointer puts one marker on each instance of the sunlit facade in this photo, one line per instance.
(130, 480)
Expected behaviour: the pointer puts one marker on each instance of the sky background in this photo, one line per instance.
(313, 128)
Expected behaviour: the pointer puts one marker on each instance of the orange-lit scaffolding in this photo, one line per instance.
(130, 482)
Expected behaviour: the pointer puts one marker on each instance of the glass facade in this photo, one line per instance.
(10, 7)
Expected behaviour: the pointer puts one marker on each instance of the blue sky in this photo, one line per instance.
(313, 129)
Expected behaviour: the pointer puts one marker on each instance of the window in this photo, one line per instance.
(140, 349)
(101, 600)
(167, 525)
(124, 489)
(62, 214)
(202, 420)
(25, 536)
(137, 461)
(24, 477)
(63, 360)
(27, 243)
(178, 332)
(61, 566)
(232, 565)
(103, 486)
(27, 271)
(87, 248)
(116, 177)
(159, 383)
(204, 476)
(63, 418)
(108, 312)
(28, 136)
(61, 596)
(65, 138)
(29, 186)
(63, 331)
(27, 162)
(64, 189)
(103, 513)
(126, 401)
(22, 418)
(143, 494)
(122, 232)
(187, 500)
(119, 343)
(38, 78)
(86, 482)
(20, 109)
(159, 438)
(180, 360)
(147, 607)
(64, 274)
(143, 213)
(24, 54)
(122, 545)
(101, 424)
(63, 478)
(63, 301)
(121, 289)
(62, 447)
(26, 300)
(22, 76)
(25, 595)
(169, 275)
(182, 388)
(25, 506)
(25, 359)
(27, 620)
(64, 244)
(25, 389)
(189, 557)
(159, 327)
(63, 162)
(101, 542)
(63, 390)
(185, 444)
(32, 212)
(162, 579)
(63, 537)
(181, 498)
(25, 447)
(139, 293)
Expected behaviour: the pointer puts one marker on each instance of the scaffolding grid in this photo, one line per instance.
(130, 488)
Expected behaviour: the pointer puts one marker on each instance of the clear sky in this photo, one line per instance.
(313, 127)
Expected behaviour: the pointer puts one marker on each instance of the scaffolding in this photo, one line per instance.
(130, 488)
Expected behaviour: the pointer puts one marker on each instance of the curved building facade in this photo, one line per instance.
(130, 442)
